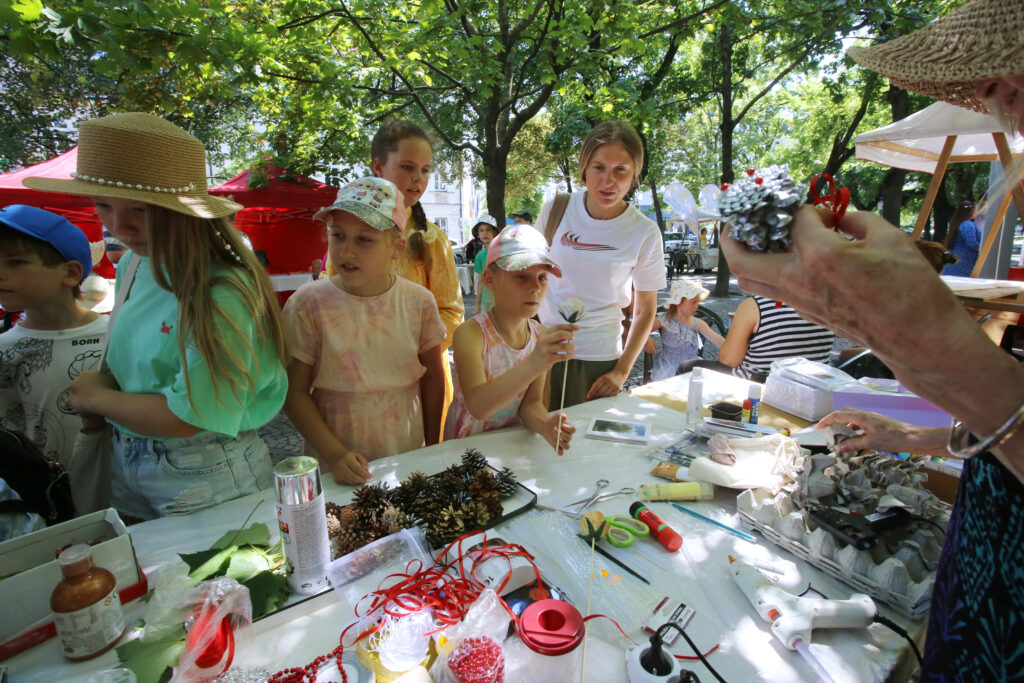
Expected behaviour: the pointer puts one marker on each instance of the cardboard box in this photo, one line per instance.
(30, 573)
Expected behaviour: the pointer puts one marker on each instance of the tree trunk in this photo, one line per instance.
(891, 190)
(657, 204)
(497, 173)
(726, 127)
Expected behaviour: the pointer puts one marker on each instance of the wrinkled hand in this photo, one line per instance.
(608, 384)
(651, 346)
(350, 468)
(876, 290)
(554, 344)
(885, 433)
(564, 436)
(87, 386)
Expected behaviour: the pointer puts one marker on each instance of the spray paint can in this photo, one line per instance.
(302, 518)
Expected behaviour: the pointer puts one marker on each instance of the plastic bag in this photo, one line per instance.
(219, 624)
(486, 618)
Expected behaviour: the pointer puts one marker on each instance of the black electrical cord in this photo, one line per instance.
(692, 645)
(884, 621)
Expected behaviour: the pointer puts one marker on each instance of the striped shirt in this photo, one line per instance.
(781, 333)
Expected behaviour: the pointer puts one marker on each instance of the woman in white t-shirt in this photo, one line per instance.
(607, 249)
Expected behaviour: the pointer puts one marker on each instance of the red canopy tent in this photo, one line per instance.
(278, 217)
(76, 208)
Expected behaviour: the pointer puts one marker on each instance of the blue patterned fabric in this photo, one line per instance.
(976, 626)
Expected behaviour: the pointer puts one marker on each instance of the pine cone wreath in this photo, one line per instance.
(760, 208)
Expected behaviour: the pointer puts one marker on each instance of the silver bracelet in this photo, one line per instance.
(958, 437)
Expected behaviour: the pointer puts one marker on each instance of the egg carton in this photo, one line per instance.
(903, 579)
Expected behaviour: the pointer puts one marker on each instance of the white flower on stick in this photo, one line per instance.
(572, 310)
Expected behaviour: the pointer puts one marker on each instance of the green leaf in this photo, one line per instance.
(267, 592)
(207, 563)
(257, 534)
(151, 662)
(246, 563)
(30, 10)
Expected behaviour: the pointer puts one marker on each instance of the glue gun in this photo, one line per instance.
(792, 617)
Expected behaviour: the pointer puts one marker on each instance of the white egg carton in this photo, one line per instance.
(904, 580)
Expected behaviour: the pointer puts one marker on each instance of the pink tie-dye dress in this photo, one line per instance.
(365, 356)
(498, 358)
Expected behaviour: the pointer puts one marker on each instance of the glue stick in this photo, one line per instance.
(682, 490)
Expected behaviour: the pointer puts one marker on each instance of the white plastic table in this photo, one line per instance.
(294, 636)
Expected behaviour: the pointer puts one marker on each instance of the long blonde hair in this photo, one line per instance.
(185, 253)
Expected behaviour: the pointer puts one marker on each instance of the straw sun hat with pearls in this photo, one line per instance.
(144, 158)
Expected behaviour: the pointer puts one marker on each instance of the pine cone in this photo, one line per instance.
(483, 483)
(425, 507)
(760, 208)
(507, 482)
(393, 520)
(371, 497)
(347, 541)
(473, 460)
(450, 479)
(407, 492)
(475, 514)
(448, 526)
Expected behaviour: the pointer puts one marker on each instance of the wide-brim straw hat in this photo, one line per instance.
(949, 57)
(144, 158)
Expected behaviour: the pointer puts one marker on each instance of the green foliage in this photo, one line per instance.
(152, 661)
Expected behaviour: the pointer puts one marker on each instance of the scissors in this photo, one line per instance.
(623, 530)
(598, 496)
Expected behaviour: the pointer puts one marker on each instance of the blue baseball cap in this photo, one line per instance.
(57, 231)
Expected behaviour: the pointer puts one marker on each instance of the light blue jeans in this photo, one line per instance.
(154, 478)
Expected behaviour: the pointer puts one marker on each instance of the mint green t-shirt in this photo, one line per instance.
(486, 298)
(144, 359)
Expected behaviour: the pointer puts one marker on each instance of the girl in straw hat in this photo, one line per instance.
(681, 330)
(877, 290)
(196, 350)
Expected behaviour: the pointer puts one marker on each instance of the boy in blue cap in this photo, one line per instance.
(43, 260)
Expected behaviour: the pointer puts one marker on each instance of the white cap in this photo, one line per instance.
(755, 391)
(698, 373)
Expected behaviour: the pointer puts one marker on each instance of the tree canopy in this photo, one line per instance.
(509, 87)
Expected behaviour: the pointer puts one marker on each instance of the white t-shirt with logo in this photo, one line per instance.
(36, 369)
(602, 261)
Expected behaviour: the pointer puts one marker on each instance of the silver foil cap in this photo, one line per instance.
(297, 480)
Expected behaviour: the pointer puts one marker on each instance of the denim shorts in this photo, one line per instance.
(154, 478)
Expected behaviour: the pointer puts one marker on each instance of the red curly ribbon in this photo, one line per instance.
(449, 590)
(835, 201)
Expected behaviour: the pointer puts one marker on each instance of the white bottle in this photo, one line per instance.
(695, 397)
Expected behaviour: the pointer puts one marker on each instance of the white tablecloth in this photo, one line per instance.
(295, 636)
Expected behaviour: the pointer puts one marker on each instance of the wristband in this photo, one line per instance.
(958, 437)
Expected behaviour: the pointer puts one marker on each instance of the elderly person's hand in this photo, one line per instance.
(878, 290)
(886, 434)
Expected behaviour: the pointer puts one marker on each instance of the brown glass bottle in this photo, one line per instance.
(86, 606)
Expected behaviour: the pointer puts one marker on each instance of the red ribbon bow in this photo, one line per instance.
(836, 200)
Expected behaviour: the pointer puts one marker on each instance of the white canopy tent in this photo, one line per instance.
(939, 134)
